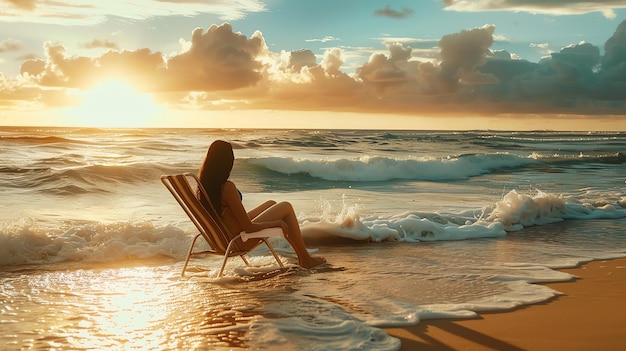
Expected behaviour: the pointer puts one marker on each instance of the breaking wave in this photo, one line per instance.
(372, 169)
(27, 242)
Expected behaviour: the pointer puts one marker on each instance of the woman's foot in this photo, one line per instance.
(311, 261)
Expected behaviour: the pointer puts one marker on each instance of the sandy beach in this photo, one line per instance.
(590, 315)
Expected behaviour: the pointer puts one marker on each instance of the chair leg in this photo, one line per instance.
(274, 253)
(244, 259)
(226, 257)
(219, 275)
(182, 274)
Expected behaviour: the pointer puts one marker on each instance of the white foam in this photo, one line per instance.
(516, 211)
(29, 242)
(340, 332)
(522, 293)
(26, 242)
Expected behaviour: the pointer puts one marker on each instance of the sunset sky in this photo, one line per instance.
(427, 64)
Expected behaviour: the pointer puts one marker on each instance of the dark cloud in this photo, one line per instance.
(301, 58)
(612, 78)
(584, 55)
(462, 52)
(389, 12)
(571, 80)
(505, 69)
(615, 48)
(382, 72)
(218, 59)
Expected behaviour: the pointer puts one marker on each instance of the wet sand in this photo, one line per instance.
(590, 315)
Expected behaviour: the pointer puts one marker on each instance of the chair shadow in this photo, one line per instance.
(425, 342)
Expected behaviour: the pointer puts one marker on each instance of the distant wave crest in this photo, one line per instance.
(372, 169)
(36, 140)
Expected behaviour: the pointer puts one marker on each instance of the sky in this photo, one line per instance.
(421, 64)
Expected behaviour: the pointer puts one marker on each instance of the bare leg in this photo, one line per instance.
(284, 211)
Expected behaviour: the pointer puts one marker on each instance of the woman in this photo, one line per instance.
(226, 200)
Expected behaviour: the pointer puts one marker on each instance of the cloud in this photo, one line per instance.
(543, 47)
(218, 68)
(572, 79)
(551, 7)
(615, 48)
(23, 94)
(97, 43)
(389, 12)
(462, 52)
(612, 78)
(218, 59)
(140, 67)
(408, 40)
(315, 86)
(323, 40)
(9, 45)
(33, 67)
(91, 12)
(22, 4)
(300, 59)
(584, 55)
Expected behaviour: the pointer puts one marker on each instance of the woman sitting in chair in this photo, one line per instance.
(226, 200)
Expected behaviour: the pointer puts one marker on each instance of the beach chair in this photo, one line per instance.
(209, 223)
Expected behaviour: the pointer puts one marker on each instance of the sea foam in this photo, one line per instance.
(26, 242)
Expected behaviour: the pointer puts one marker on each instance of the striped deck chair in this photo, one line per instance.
(209, 223)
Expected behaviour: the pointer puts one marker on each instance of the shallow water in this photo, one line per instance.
(414, 225)
(146, 304)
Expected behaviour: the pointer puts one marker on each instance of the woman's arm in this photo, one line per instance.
(231, 196)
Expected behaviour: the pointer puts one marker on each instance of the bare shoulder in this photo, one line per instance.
(229, 187)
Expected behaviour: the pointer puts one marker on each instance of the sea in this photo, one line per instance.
(415, 225)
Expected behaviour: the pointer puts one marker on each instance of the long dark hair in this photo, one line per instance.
(215, 171)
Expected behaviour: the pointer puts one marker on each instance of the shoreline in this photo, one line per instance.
(590, 315)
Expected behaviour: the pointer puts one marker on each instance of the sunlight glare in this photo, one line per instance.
(133, 310)
(115, 104)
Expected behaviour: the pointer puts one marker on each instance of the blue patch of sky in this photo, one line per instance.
(287, 25)
(290, 25)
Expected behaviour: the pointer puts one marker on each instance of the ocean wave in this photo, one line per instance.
(83, 179)
(37, 140)
(514, 212)
(27, 242)
(373, 169)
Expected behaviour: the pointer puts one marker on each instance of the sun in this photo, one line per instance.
(115, 104)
